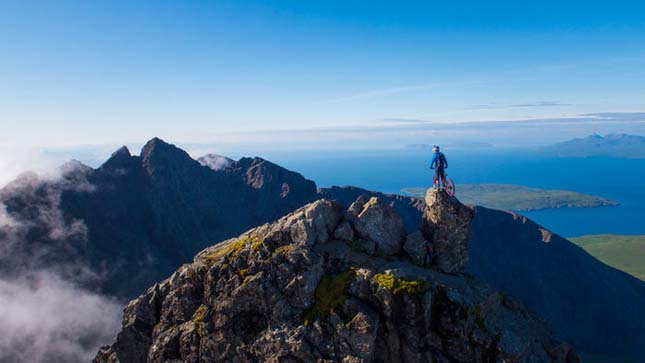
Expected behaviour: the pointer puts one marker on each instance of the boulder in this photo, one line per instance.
(376, 221)
(314, 223)
(446, 222)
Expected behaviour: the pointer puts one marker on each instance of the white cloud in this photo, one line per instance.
(215, 162)
(14, 161)
(6, 221)
(46, 319)
(45, 314)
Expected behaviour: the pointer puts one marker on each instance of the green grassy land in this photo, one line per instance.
(518, 197)
(625, 253)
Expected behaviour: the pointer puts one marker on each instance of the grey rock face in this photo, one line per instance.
(415, 247)
(291, 292)
(446, 222)
(344, 232)
(378, 222)
(509, 252)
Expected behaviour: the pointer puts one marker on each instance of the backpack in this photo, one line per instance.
(441, 161)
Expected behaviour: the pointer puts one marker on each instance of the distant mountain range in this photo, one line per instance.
(453, 146)
(617, 145)
(136, 219)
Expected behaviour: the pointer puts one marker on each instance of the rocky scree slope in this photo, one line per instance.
(327, 285)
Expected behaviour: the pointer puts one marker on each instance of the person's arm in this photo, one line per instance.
(446, 161)
(434, 161)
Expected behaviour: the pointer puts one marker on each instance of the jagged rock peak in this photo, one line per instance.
(157, 152)
(118, 159)
(292, 292)
(74, 167)
(122, 151)
(255, 162)
(447, 224)
(153, 145)
(259, 174)
(118, 156)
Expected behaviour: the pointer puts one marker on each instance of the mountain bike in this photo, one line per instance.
(449, 186)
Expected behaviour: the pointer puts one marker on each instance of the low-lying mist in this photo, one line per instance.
(47, 311)
(47, 319)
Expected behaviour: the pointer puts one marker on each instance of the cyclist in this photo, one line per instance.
(439, 164)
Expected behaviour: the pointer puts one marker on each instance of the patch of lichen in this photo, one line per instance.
(330, 294)
(199, 319)
(400, 286)
(243, 272)
(232, 250)
(256, 243)
(284, 249)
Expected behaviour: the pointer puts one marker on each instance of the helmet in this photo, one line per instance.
(435, 148)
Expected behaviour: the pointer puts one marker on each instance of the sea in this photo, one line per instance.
(388, 171)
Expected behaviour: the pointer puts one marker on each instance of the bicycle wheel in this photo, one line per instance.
(450, 187)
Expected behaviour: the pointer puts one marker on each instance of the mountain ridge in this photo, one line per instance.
(134, 226)
(161, 204)
(612, 145)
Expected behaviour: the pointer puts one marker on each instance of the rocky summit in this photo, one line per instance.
(324, 284)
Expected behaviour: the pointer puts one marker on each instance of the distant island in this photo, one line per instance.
(519, 197)
(617, 145)
(625, 253)
(453, 146)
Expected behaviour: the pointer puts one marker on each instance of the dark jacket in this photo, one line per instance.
(439, 161)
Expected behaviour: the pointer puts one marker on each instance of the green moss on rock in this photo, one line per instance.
(199, 319)
(400, 286)
(232, 250)
(256, 243)
(284, 249)
(330, 294)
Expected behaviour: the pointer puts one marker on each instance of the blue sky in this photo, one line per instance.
(234, 74)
